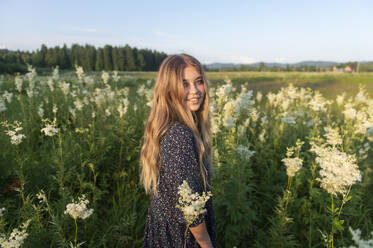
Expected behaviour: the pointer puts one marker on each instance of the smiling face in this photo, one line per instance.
(194, 88)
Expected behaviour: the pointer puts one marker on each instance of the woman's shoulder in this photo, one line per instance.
(177, 132)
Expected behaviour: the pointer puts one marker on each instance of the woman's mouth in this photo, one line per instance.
(194, 100)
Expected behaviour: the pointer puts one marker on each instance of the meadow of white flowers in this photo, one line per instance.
(291, 168)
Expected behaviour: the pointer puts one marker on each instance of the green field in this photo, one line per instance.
(329, 84)
(287, 160)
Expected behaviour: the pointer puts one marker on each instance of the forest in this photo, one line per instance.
(108, 58)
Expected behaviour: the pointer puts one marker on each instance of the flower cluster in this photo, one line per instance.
(79, 72)
(50, 128)
(332, 136)
(41, 196)
(338, 169)
(105, 77)
(14, 132)
(293, 164)
(78, 209)
(244, 151)
(16, 238)
(190, 203)
(356, 237)
(116, 77)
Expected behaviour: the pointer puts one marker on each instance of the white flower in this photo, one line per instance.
(262, 136)
(18, 82)
(361, 96)
(2, 105)
(191, 204)
(50, 128)
(115, 76)
(54, 110)
(89, 81)
(55, 74)
(259, 96)
(41, 196)
(228, 122)
(41, 110)
(30, 92)
(254, 115)
(79, 72)
(78, 209)
(318, 102)
(271, 98)
(8, 96)
(356, 237)
(244, 151)
(349, 112)
(78, 104)
(332, 135)
(141, 90)
(2, 210)
(292, 165)
(16, 238)
(229, 109)
(338, 169)
(243, 102)
(340, 98)
(105, 77)
(122, 108)
(310, 123)
(214, 126)
(72, 112)
(107, 112)
(14, 132)
(289, 120)
(65, 87)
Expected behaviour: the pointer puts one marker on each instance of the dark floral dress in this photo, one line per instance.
(165, 223)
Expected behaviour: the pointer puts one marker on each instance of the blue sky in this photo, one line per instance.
(212, 31)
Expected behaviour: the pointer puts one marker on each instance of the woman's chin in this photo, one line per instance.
(194, 107)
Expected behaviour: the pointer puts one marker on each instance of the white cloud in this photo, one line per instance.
(3, 47)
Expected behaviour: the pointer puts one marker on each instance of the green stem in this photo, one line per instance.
(287, 193)
(332, 245)
(61, 165)
(21, 176)
(185, 235)
(76, 232)
(344, 200)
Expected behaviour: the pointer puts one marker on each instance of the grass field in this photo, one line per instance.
(287, 159)
(329, 84)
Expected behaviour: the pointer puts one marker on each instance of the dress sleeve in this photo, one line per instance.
(180, 162)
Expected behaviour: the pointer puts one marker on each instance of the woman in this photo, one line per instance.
(177, 148)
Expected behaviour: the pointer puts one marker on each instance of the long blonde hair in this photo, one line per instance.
(168, 106)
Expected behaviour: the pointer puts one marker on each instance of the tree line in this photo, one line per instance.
(108, 58)
(262, 67)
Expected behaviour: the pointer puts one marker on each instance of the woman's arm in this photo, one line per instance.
(201, 235)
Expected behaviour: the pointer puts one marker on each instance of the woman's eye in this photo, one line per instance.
(185, 84)
(199, 82)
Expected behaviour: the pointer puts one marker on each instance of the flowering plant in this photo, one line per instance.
(191, 204)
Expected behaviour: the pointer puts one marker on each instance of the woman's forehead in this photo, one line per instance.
(191, 73)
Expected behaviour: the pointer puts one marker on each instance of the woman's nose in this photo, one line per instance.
(194, 88)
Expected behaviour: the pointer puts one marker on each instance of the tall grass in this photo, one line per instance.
(90, 145)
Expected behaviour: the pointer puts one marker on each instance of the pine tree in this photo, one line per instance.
(108, 58)
(100, 59)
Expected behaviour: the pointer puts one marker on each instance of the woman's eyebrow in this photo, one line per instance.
(197, 78)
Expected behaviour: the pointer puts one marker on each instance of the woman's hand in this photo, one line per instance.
(201, 235)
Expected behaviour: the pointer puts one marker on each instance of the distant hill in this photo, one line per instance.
(319, 64)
